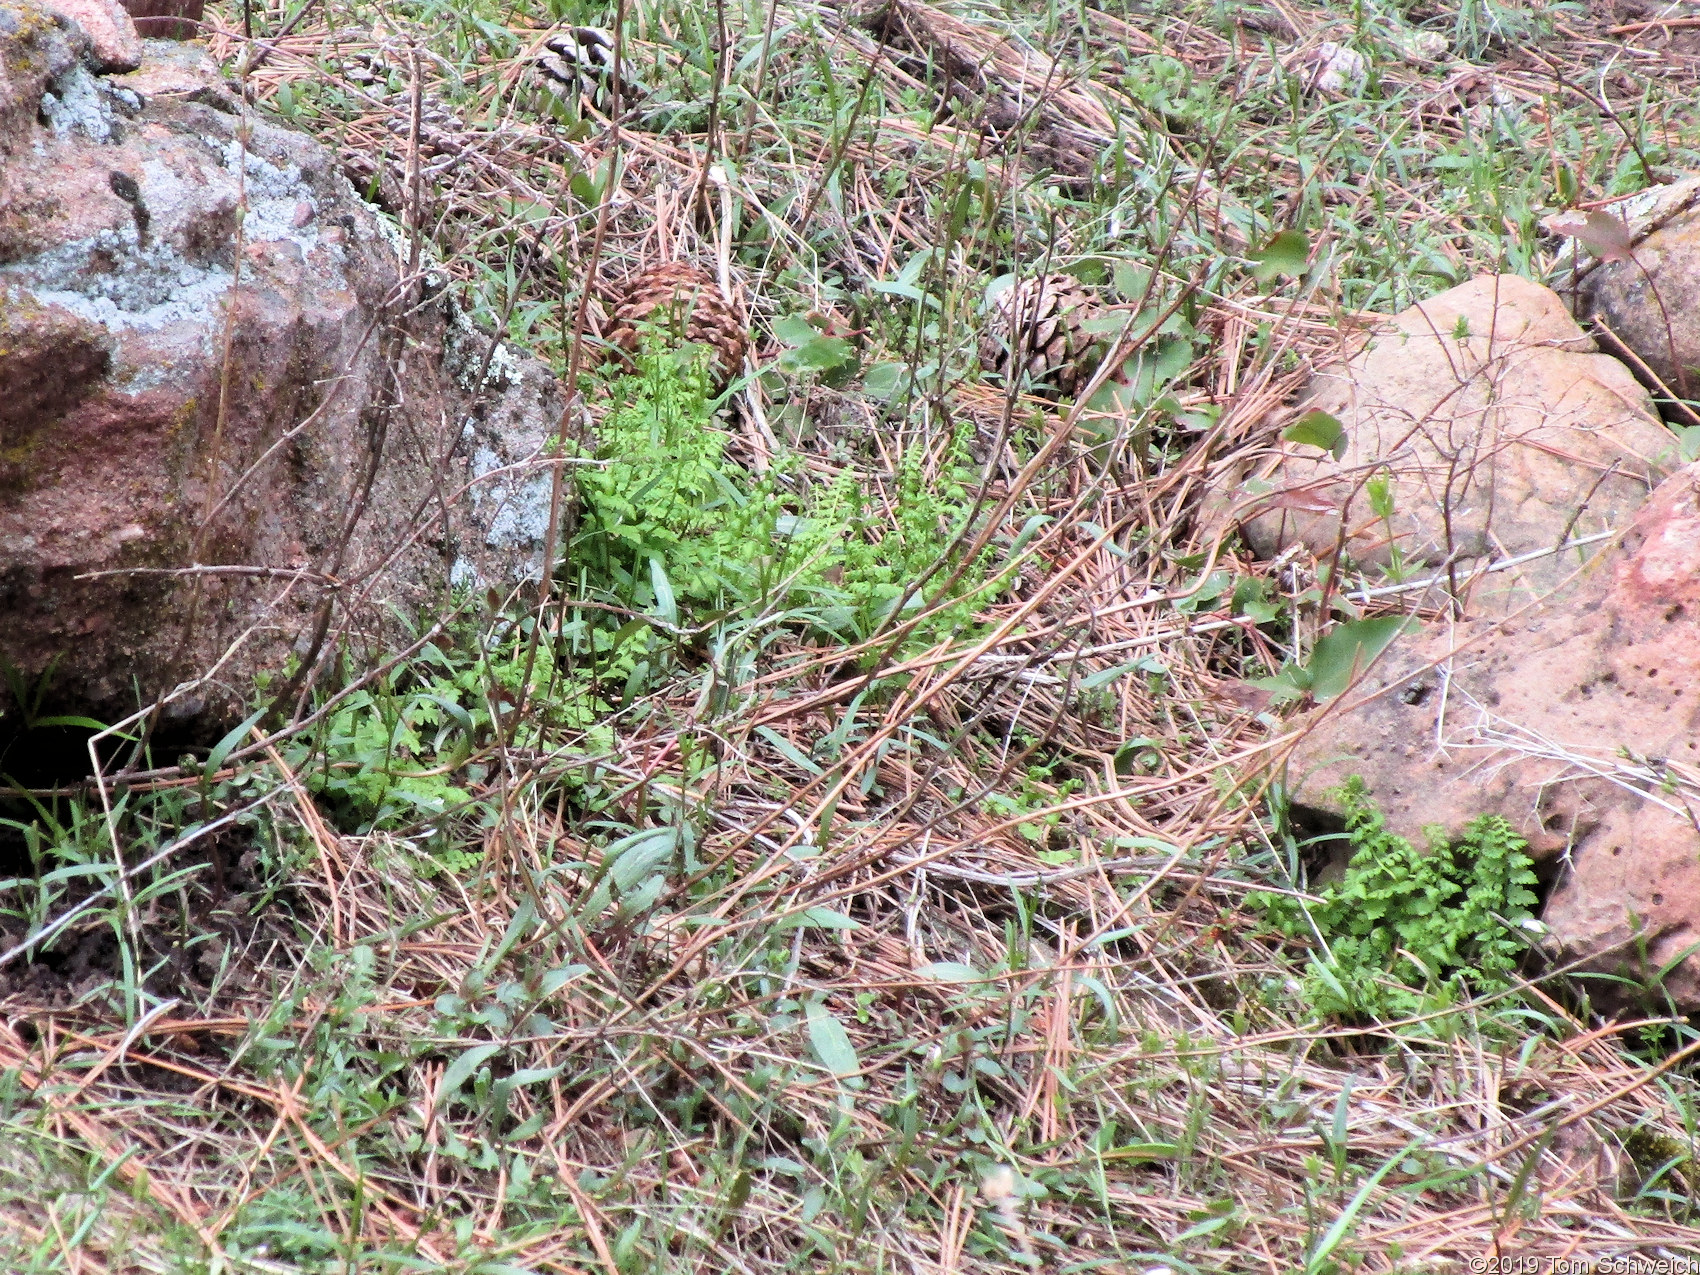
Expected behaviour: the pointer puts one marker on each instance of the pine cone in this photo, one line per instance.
(685, 303)
(579, 65)
(1042, 319)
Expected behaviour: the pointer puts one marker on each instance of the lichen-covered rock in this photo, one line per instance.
(35, 51)
(222, 408)
(1497, 430)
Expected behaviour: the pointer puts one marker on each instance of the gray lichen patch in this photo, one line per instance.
(465, 349)
(276, 197)
(113, 279)
(76, 104)
(511, 501)
(173, 262)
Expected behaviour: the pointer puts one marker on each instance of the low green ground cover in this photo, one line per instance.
(855, 863)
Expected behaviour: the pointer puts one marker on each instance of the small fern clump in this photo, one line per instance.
(668, 509)
(1405, 927)
(666, 494)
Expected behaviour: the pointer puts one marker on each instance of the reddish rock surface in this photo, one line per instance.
(213, 420)
(1566, 695)
(1578, 720)
(1498, 430)
(114, 44)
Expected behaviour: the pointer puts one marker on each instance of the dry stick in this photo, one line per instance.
(1121, 350)
(1682, 405)
(1600, 102)
(1216, 547)
(128, 1165)
(576, 354)
(712, 145)
(908, 705)
(818, 187)
(1631, 28)
(137, 779)
(859, 759)
(267, 49)
(761, 80)
(214, 458)
(300, 685)
(215, 451)
(46, 933)
(1279, 751)
(557, 483)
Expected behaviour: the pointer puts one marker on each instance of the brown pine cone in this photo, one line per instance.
(579, 64)
(683, 302)
(1042, 319)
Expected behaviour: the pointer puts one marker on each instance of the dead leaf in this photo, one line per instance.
(1604, 234)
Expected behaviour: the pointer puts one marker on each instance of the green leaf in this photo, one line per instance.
(454, 711)
(1115, 397)
(1286, 253)
(885, 380)
(84, 723)
(1131, 281)
(666, 605)
(1200, 1229)
(1103, 677)
(787, 749)
(527, 1076)
(818, 355)
(630, 859)
(228, 744)
(1347, 650)
(461, 1069)
(554, 980)
(907, 291)
(814, 1200)
(822, 918)
(1318, 1262)
(1316, 428)
(831, 1042)
(949, 972)
(996, 288)
(1688, 446)
(1033, 526)
(794, 330)
(1142, 1151)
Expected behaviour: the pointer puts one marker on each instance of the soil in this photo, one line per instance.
(203, 943)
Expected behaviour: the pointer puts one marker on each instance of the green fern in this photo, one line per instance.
(667, 498)
(1404, 930)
